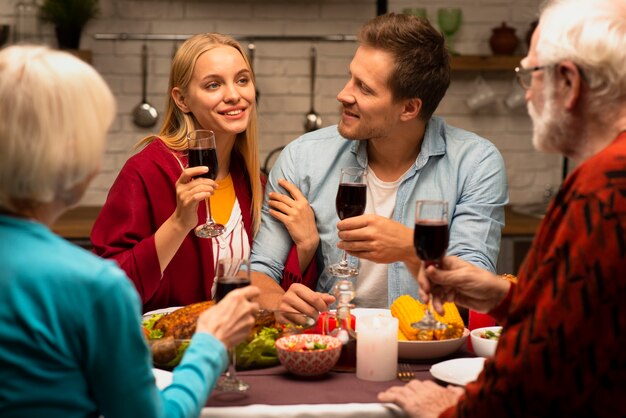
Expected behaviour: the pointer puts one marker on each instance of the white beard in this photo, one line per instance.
(554, 130)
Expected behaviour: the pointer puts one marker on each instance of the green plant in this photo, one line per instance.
(69, 13)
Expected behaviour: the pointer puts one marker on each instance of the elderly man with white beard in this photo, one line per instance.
(561, 352)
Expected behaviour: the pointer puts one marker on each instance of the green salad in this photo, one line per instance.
(491, 335)
(167, 352)
(260, 352)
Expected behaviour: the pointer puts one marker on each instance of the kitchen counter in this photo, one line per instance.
(76, 224)
(517, 224)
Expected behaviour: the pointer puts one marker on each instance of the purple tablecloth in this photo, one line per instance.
(276, 386)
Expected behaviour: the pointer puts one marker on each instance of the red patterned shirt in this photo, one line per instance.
(563, 348)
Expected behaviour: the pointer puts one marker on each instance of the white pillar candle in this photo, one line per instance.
(377, 348)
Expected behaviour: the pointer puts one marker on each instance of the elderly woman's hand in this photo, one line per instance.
(231, 320)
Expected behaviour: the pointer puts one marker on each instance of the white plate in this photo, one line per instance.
(459, 371)
(422, 350)
(163, 378)
(148, 315)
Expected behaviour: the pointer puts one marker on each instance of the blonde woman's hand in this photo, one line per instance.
(297, 215)
(190, 192)
(231, 320)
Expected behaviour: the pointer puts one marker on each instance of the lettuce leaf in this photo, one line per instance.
(260, 352)
(149, 325)
(179, 354)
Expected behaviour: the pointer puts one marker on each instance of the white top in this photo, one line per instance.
(371, 285)
(233, 243)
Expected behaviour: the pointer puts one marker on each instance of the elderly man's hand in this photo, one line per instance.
(462, 283)
(422, 399)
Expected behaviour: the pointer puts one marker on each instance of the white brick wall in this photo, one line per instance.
(283, 70)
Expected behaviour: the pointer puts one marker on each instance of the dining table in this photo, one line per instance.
(275, 392)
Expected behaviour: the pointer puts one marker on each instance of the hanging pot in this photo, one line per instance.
(503, 40)
(145, 115)
(313, 121)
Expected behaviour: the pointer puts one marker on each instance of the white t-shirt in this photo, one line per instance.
(371, 284)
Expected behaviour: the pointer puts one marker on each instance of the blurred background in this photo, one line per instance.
(489, 41)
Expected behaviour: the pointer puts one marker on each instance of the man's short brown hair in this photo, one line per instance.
(422, 62)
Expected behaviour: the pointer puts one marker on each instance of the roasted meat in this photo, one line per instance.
(263, 319)
(181, 324)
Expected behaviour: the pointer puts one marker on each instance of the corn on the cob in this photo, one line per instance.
(408, 310)
(401, 336)
(452, 318)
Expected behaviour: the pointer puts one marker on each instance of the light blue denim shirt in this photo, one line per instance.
(453, 165)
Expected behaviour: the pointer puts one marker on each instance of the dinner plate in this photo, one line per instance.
(163, 378)
(161, 311)
(423, 350)
(458, 371)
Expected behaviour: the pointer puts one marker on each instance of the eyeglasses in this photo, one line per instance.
(524, 75)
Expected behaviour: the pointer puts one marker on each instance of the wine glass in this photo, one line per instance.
(449, 19)
(231, 274)
(202, 151)
(350, 201)
(430, 239)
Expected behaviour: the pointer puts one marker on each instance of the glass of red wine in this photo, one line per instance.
(202, 151)
(430, 239)
(350, 201)
(231, 274)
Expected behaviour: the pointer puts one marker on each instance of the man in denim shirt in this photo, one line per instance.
(398, 76)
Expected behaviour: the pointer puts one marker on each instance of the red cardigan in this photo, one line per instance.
(140, 200)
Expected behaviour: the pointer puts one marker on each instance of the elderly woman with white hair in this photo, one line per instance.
(71, 343)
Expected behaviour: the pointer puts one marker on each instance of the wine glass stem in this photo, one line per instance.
(344, 260)
(231, 374)
(209, 217)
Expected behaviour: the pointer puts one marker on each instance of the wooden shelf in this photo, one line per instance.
(83, 54)
(485, 63)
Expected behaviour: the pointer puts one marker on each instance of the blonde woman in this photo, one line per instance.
(147, 222)
(70, 334)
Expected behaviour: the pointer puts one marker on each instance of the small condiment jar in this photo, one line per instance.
(503, 40)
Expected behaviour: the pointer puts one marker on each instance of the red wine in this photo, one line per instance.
(350, 200)
(227, 284)
(347, 358)
(204, 156)
(430, 239)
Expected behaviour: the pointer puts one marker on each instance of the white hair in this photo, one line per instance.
(55, 111)
(592, 34)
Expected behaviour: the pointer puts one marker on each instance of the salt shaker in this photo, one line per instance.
(344, 293)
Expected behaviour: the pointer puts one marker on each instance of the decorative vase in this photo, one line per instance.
(503, 40)
(68, 37)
